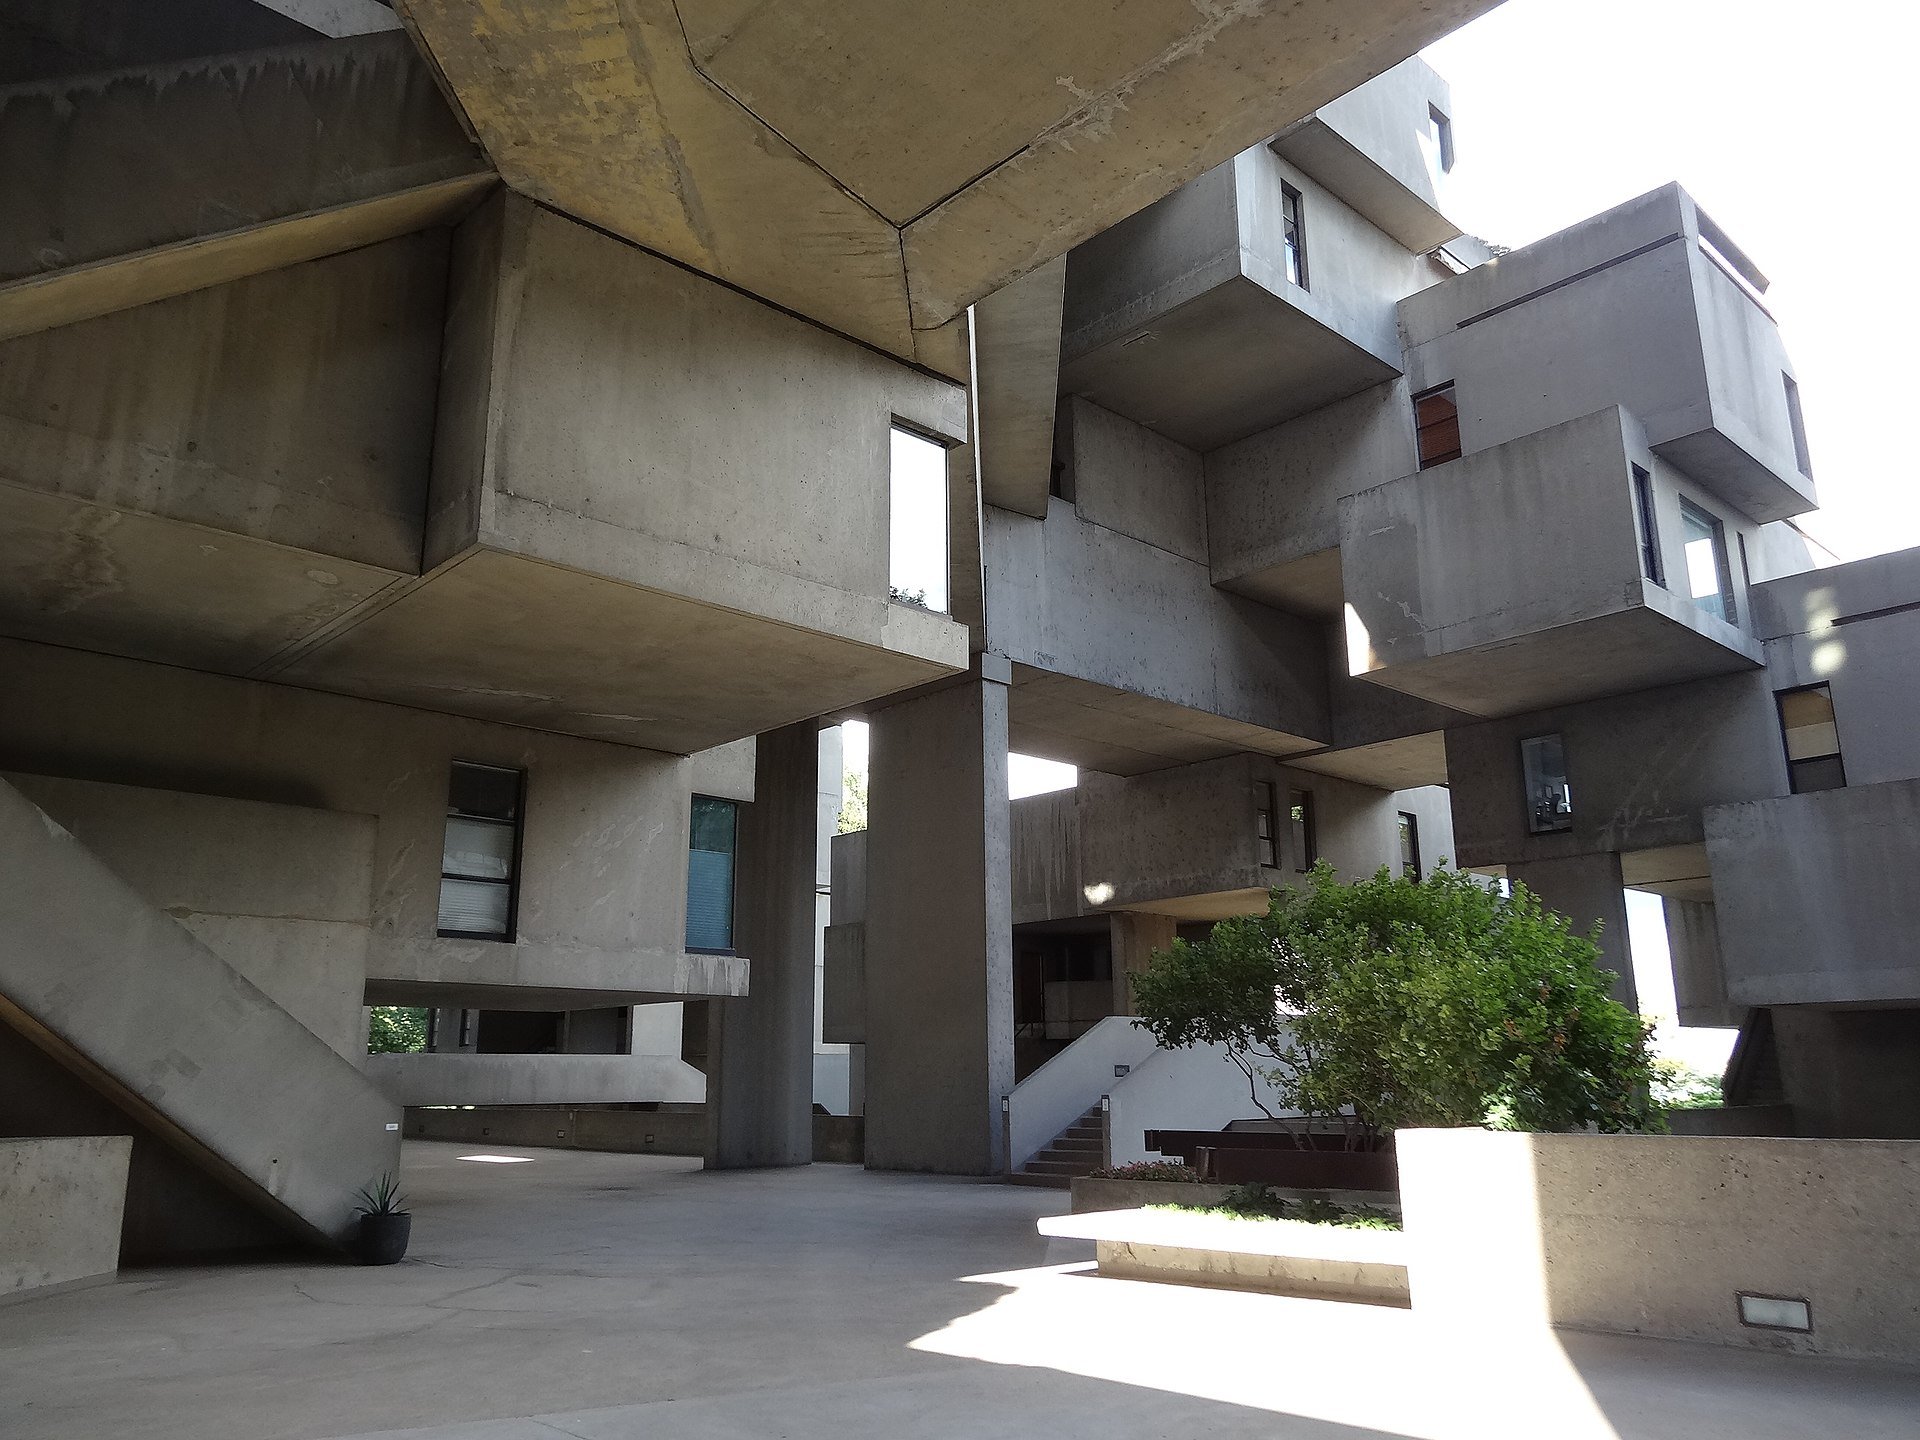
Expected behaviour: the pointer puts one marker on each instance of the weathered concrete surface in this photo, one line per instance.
(633, 461)
(760, 1056)
(61, 1199)
(128, 186)
(1665, 333)
(1852, 1072)
(923, 189)
(1815, 896)
(1371, 147)
(1588, 890)
(533, 1300)
(1565, 616)
(281, 893)
(1016, 333)
(1699, 974)
(1653, 1235)
(117, 990)
(939, 932)
(602, 917)
(457, 1078)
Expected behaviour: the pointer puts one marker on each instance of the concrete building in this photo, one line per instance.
(456, 469)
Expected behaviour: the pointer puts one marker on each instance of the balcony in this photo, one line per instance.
(1514, 578)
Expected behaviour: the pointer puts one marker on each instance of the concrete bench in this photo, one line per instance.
(1279, 1257)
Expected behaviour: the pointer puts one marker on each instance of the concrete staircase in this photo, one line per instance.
(1076, 1150)
(198, 1059)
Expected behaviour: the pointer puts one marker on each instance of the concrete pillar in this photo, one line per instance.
(1134, 939)
(760, 1060)
(939, 939)
(1699, 979)
(1588, 888)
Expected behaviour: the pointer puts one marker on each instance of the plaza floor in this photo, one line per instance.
(611, 1297)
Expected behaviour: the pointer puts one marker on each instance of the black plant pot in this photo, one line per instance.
(382, 1239)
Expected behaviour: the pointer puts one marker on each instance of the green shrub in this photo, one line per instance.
(1148, 1170)
(396, 1029)
(1392, 1002)
(1261, 1202)
(1678, 1086)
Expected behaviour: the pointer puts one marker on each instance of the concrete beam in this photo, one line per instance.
(1017, 341)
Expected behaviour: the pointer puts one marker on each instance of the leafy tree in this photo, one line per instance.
(853, 801)
(1394, 1002)
(396, 1029)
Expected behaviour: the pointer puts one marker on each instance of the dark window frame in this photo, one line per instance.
(1266, 825)
(1407, 832)
(1442, 129)
(1309, 847)
(1652, 565)
(1534, 827)
(733, 886)
(1797, 423)
(1723, 562)
(1837, 755)
(1293, 235)
(518, 824)
(1427, 461)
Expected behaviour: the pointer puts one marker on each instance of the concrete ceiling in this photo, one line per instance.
(878, 165)
(1403, 763)
(1118, 732)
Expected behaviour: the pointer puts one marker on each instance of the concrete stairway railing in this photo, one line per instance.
(1049, 1100)
(125, 997)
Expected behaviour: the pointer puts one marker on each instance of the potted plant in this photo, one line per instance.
(385, 1223)
(1393, 1002)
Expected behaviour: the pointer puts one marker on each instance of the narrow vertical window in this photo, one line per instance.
(917, 553)
(1300, 829)
(1293, 234)
(1812, 737)
(1440, 138)
(710, 856)
(480, 857)
(1436, 425)
(1543, 765)
(1798, 423)
(1650, 565)
(1264, 833)
(1410, 846)
(1709, 579)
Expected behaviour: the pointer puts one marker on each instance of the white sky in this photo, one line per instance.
(1026, 774)
(1790, 124)
(917, 546)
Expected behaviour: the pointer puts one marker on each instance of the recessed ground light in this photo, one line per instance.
(499, 1159)
(1775, 1312)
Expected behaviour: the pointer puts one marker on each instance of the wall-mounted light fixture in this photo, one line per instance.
(1775, 1312)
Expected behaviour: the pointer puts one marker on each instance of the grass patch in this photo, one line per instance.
(1259, 1202)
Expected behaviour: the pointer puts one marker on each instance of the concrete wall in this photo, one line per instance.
(1663, 332)
(1641, 768)
(603, 866)
(1850, 1072)
(280, 892)
(1816, 898)
(457, 1078)
(63, 1199)
(1079, 599)
(1654, 1235)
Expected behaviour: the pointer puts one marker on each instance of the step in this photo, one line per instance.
(1041, 1182)
(1038, 1166)
(1091, 1143)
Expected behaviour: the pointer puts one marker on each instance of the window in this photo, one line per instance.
(1410, 846)
(1293, 235)
(480, 859)
(1709, 581)
(1440, 137)
(1812, 737)
(1300, 829)
(710, 855)
(1436, 425)
(1798, 422)
(1543, 763)
(917, 551)
(1263, 824)
(1650, 565)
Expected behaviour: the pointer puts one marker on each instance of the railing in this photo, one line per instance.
(1071, 1083)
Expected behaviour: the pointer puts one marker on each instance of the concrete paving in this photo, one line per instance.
(604, 1297)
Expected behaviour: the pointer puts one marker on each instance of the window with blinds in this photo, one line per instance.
(710, 861)
(1812, 737)
(1436, 425)
(480, 857)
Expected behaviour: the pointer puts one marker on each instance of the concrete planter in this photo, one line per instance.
(1277, 1257)
(1090, 1193)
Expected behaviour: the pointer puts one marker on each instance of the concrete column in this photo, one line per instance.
(1588, 888)
(760, 1060)
(1134, 939)
(939, 941)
